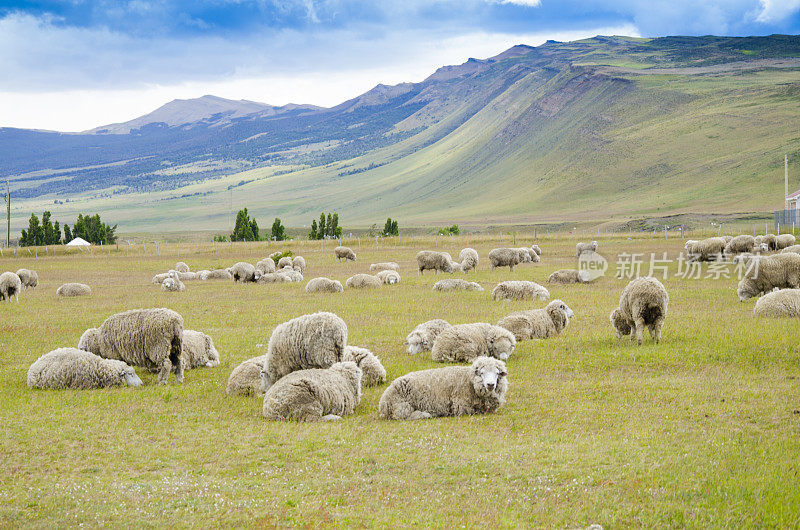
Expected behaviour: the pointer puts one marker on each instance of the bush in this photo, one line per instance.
(449, 231)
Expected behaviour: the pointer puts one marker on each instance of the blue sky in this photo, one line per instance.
(75, 64)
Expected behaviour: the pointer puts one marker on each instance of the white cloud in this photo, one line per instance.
(528, 3)
(773, 11)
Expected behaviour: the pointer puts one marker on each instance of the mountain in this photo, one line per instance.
(608, 128)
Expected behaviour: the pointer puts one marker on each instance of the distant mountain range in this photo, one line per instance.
(604, 128)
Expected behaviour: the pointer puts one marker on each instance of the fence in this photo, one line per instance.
(786, 219)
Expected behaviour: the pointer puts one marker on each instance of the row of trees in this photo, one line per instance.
(246, 229)
(328, 227)
(88, 227)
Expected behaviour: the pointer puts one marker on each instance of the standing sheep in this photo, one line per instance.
(28, 278)
(504, 257)
(344, 253)
(181, 267)
(73, 368)
(740, 244)
(246, 378)
(782, 303)
(450, 391)
(73, 289)
(373, 371)
(315, 394)
(299, 263)
(197, 349)
(464, 342)
(243, 272)
(537, 250)
(324, 285)
(10, 285)
(643, 302)
(424, 335)
(525, 254)
(519, 290)
(538, 323)
(266, 266)
(435, 261)
(781, 242)
(769, 239)
(285, 261)
(585, 247)
(777, 271)
(389, 277)
(384, 266)
(469, 259)
(363, 281)
(708, 249)
(620, 323)
(456, 284)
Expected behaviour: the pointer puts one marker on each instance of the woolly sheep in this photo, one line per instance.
(620, 323)
(769, 239)
(285, 261)
(782, 303)
(739, 244)
(537, 250)
(424, 335)
(243, 272)
(457, 267)
(524, 254)
(538, 323)
(373, 371)
(10, 285)
(299, 263)
(158, 279)
(290, 273)
(644, 302)
(384, 266)
(519, 290)
(246, 378)
(181, 267)
(779, 271)
(275, 277)
(173, 283)
(73, 289)
(791, 248)
(73, 368)
(344, 253)
(308, 341)
(708, 249)
(389, 277)
(435, 261)
(90, 341)
(568, 276)
(585, 247)
(266, 266)
(450, 391)
(504, 257)
(456, 284)
(782, 241)
(363, 281)
(187, 276)
(214, 274)
(197, 349)
(469, 259)
(28, 278)
(324, 285)
(315, 394)
(464, 342)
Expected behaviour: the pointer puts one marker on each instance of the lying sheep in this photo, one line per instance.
(709, 249)
(450, 391)
(73, 289)
(324, 285)
(781, 242)
(779, 271)
(568, 276)
(73, 368)
(275, 277)
(158, 279)
(344, 253)
(537, 250)
(389, 277)
(181, 267)
(187, 276)
(10, 285)
(363, 281)
(469, 259)
(739, 244)
(246, 378)
(299, 263)
(373, 371)
(173, 283)
(791, 248)
(290, 273)
(464, 342)
(644, 302)
(214, 274)
(197, 349)
(538, 323)
(308, 341)
(456, 284)
(435, 261)
(384, 266)
(285, 261)
(424, 335)
(243, 272)
(28, 278)
(585, 247)
(519, 290)
(504, 257)
(315, 394)
(782, 303)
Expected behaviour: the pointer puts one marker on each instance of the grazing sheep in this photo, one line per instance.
(469, 259)
(739, 244)
(620, 323)
(585, 247)
(791, 248)
(643, 302)
(568, 276)
(324, 285)
(181, 267)
(435, 261)
(73, 368)
(389, 277)
(315, 394)
(299, 263)
(538, 323)
(782, 303)
(10, 285)
(457, 267)
(243, 272)
(504, 257)
(290, 273)
(158, 279)
(214, 274)
(456, 284)
(384, 266)
(769, 239)
(266, 266)
(73, 289)
(90, 341)
(524, 254)
(781, 242)
(450, 391)
(464, 342)
(373, 371)
(246, 378)
(308, 341)
(344, 253)
(151, 338)
(708, 249)
(537, 250)
(363, 281)
(28, 278)
(173, 283)
(519, 290)
(424, 335)
(779, 271)
(285, 261)
(197, 349)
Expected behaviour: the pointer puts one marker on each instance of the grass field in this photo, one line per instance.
(700, 430)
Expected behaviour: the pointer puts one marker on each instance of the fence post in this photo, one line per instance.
(514, 238)
(215, 246)
(321, 248)
(157, 252)
(91, 251)
(359, 242)
(36, 252)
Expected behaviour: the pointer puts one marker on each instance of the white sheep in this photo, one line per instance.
(537, 250)
(569, 276)
(181, 267)
(324, 285)
(28, 278)
(784, 240)
(73, 368)
(299, 263)
(538, 323)
(373, 371)
(285, 261)
(643, 303)
(197, 349)
(519, 290)
(384, 266)
(585, 247)
(504, 257)
(464, 342)
(10, 285)
(435, 261)
(424, 335)
(791, 248)
(246, 378)
(173, 283)
(73, 289)
(779, 271)
(781, 303)
(456, 284)
(266, 266)
(389, 277)
(243, 272)
(469, 259)
(363, 281)
(344, 253)
(214, 274)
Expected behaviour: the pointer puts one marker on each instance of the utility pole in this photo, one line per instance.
(8, 214)
(786, 182)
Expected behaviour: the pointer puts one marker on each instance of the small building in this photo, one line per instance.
(790, 216)
(793, 201)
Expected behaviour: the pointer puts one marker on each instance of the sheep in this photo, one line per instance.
(285, 261)
(299, 263)
(245, 379)
(435, 261)
(181, 267)
(291, 273)
(324, 285)
(524, 254)
(10, 285)
(28, 278)
(73, 368)
(537, 250)
(389, 277)
(309, 341)
(777, 271)
(464, 342)
(450, 391)
(278, 254)
(782, 303)
(243, 272)
(187, 276)
(384, 266)
(469, 259)
(620, 323)
(708, 249)
(585, 247)
(457, 267)
(214, 274)
(644, 302)
(769, 239)
(275, 277)
(424, 335)
(781, 242)
(73, 289)
(739, 244)
(173, 283)
(158, 279)
(197, 349)
(504, 257)
(266, 266)
(543, 323)
(455, 284)
(791, 248)
(344, 253)
(315, 394)
(568, 276)
(373, 371)
(519, 290)
(363, 281)
(151, 338)
(90, 341)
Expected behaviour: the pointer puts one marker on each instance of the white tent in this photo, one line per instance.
(78, 242)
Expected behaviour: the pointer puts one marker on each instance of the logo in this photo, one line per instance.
(591, 266)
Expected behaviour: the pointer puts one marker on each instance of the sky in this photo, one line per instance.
(72, 65)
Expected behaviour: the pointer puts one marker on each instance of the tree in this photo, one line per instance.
(67, 234)
(34, 235)
(321, 229)
(449, 230)
(93, 230)
(329, 226)
(336, 231)
(56, 234)
(254, 229)
(390, 228)
(243, 230)
(395, 228)
(278, 232)
(313, 233)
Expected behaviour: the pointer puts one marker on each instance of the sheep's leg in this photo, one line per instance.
(401, 411)
(419, 415)
(657, 327)
(178, 369)
(639, 330)
(163, 374)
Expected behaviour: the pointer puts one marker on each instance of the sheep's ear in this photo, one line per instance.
(502, 374)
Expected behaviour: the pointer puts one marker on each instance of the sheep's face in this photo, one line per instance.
(265, 382)
(501, 343)
(416, 343)
(761, 247)
(489, 377)
(475, 286)
(130, 377)
(257, 275)
(352, 373)
(620, 324)
(212, 355)
(747, 289)
(448, 268)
